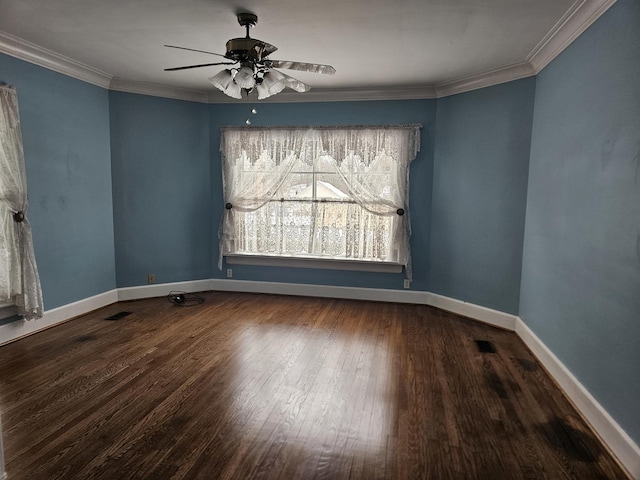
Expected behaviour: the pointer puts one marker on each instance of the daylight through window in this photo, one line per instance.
(332, 193)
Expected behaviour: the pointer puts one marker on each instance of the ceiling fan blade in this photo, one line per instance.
(304, 67)
(292, 83)
(198, 66)
(194, 50)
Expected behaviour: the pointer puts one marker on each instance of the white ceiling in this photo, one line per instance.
(373, 44)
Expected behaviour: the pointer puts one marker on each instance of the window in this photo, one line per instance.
(321, 193)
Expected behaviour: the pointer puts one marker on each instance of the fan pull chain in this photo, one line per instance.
(248, 120)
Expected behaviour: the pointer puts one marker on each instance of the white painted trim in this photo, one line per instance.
(335, 95)
(487, 79)
(618, 441)
(581, 15)
(21, 328)
(319, 263)
(492, 317)
(155, 90)
(32, 53)
(162, 289)
(476, 312)
(322, 291)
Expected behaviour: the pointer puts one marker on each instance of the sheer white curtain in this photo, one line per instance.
(336, 192)
(19, 280)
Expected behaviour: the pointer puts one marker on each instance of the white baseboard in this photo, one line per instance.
(162, 289)
(476, 312)
(21, 328)
(473, 311)
(622, 446)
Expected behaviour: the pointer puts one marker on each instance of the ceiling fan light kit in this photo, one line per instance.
(252, 69)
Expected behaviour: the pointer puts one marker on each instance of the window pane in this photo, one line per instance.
(317, 229)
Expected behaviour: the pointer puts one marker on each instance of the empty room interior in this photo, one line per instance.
(418, 258)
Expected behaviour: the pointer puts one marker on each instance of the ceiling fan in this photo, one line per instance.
(252, 68)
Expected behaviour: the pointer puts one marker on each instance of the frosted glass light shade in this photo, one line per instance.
(234, 90)
(270, 85)
(224, 81)
(221, 80)
(244, 78)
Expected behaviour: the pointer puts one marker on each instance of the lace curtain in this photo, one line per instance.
(19, 281)
(334, 192)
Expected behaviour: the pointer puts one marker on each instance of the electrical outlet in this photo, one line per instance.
(229, 273)
(407, 283)
(151, 278)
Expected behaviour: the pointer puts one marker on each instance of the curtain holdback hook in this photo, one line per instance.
(19, 216)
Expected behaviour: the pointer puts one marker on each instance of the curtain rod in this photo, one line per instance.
(6, 86)
(326, 127)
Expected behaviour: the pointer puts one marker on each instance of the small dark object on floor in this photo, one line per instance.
(179, 298)
(183, 299)
(118, 315)
(485, 346)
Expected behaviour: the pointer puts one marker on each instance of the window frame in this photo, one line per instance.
(229, 253)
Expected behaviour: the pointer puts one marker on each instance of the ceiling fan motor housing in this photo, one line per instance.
(240, 49)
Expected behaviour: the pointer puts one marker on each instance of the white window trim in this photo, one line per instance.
(313, 262)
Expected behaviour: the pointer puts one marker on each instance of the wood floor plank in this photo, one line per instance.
(249, 386)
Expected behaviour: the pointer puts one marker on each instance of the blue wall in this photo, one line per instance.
(340, 113)
(482, 143)
(162, 198)
(65, 130)
(581, 263)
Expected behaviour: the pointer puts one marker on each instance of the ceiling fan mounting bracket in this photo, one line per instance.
(247, 19)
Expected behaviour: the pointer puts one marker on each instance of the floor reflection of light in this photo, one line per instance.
(313, 388)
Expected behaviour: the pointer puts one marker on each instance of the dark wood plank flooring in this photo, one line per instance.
(250, 386)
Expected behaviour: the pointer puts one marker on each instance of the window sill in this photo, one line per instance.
(313, 262)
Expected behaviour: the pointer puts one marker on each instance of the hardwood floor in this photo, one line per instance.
(250, 386)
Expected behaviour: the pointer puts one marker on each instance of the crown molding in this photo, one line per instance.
(486, 79)
(336, 95)
(581, 15)
(156, 90)
(32, 53)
